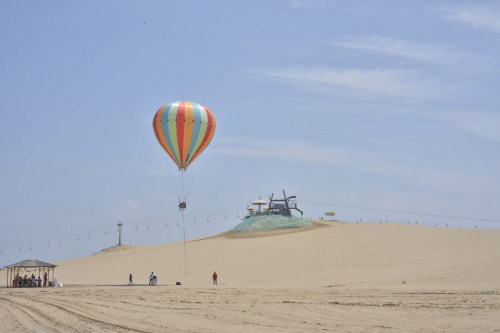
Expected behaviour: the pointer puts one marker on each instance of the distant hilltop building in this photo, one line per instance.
(277, 214)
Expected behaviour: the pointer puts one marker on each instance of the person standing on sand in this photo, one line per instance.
(130, 280)
(214, 278)
(45, 279)
(151, 277)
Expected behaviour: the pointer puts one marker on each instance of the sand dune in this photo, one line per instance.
(331, 253)
(332, 277)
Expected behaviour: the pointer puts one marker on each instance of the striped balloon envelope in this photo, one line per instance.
(184, 130)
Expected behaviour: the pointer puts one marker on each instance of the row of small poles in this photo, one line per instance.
(428, 224)
(81, 235)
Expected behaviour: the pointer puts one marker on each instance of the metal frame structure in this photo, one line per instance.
(275, 207)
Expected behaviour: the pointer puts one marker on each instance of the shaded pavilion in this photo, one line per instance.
(29, 266)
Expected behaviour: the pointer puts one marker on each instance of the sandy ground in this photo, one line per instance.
(171, 309)
(333, 277)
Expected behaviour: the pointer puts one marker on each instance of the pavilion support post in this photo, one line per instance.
(16, 271)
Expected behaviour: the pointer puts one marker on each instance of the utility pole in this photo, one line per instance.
(120, 233)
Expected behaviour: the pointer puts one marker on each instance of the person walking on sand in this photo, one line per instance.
(130, 280)
(214, 278)
(151, 277)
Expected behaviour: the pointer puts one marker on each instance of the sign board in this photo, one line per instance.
(329, 213)
(278, 206)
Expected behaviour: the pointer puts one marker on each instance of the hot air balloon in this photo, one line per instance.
(184, 130)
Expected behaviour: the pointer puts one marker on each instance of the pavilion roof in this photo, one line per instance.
(31, 263)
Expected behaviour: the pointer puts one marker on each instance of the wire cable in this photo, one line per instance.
(466, 218)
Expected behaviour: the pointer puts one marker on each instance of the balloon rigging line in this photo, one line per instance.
(182, 178)
(190, 183)
(173, 182)
(185, 251)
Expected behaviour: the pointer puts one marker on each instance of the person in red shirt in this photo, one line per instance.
(214, 278)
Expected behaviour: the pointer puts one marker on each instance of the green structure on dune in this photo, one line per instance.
(275, 215)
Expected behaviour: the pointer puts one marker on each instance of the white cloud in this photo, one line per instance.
(481, 124)
(24, 213)
(302, 3)
(19, 216)
(297, 3)
(391, 204)
(422, 52)
(480, 16)
(296, 151)
(373, 82)
(128, 208)
(388, 165)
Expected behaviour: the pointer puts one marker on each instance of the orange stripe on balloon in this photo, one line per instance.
(159, 131)
(179, 121)
(188, 128)
(208, 135)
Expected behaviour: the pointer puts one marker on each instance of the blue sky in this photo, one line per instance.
(387, 105)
